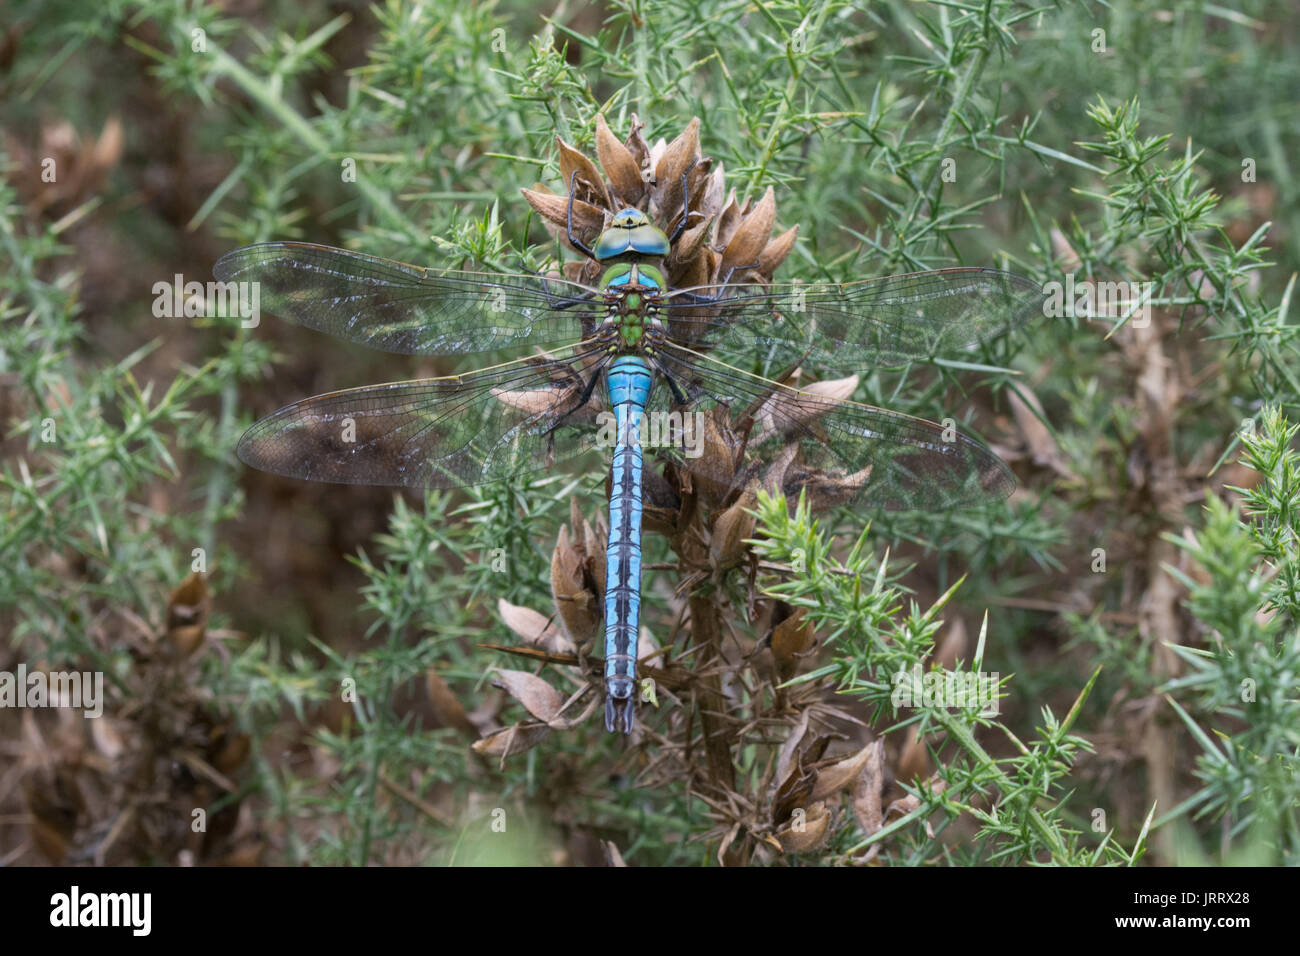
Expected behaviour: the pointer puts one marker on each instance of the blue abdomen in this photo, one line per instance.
(628, 380)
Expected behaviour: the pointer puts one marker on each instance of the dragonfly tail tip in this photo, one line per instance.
(619, 714)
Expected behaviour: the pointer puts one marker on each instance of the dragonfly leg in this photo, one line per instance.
(553, 301)
(679, 394)
(686, 206)
(586, 392)
(587, 389)
(574, 240)
(734, 269)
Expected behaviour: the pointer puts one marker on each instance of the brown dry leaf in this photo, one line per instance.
(703, 269)
(81, 166)
(1064, 251)
(107, 150)
(796, 788)
(185, 640)
(446, 705)
(577, 606)
(572, 161)
(791, 639)
(789, 752)
(869, 787)
(533, 627)
(691, 243)
(56, 803)
(914, 760)
(727, 545)
(1042, 446)
(678, 155)
(612, 856)
(751, 237)
(247, 854)
(953, 646)
(232, 752)
(669, 201)
(803, 836)
(511, 740)
(715, 191)
(588, 220)
(699, 181)
(535, 401)
(776, 251)
(569, 723)
(826, 491)
(596, 548)
(619, 164)
(788, 408)
(833, 390)
(842, 774)
(187, 615)
(718, 452)
(905, 805)
(537, 696)
(728, 220)
(774, 478)
(902, 806)
(107, 738)
(552, 208)
(793, 793)
(638, 147)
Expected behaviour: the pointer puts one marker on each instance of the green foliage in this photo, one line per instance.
(93, 440)
(879, 656)
(1243, 682)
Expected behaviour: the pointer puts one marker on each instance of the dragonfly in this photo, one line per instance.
(607, 358)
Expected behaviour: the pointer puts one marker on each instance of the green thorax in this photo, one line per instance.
(632, 290)
(634, 281)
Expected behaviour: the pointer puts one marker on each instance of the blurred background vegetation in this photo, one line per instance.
(1152, 542)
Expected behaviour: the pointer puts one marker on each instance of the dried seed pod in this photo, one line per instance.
(719, 234)
(576, 603)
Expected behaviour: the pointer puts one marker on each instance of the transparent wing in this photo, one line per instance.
(837, 449)
(439, 432)
(395, 307)
(853, 326)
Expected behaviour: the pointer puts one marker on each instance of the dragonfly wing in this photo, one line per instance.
(853, 326)
(435, 433)
(395, 307)
(839, 449)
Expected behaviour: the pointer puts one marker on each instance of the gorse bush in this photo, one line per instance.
(344, 675)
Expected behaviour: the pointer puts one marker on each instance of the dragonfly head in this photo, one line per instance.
(630, 231)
